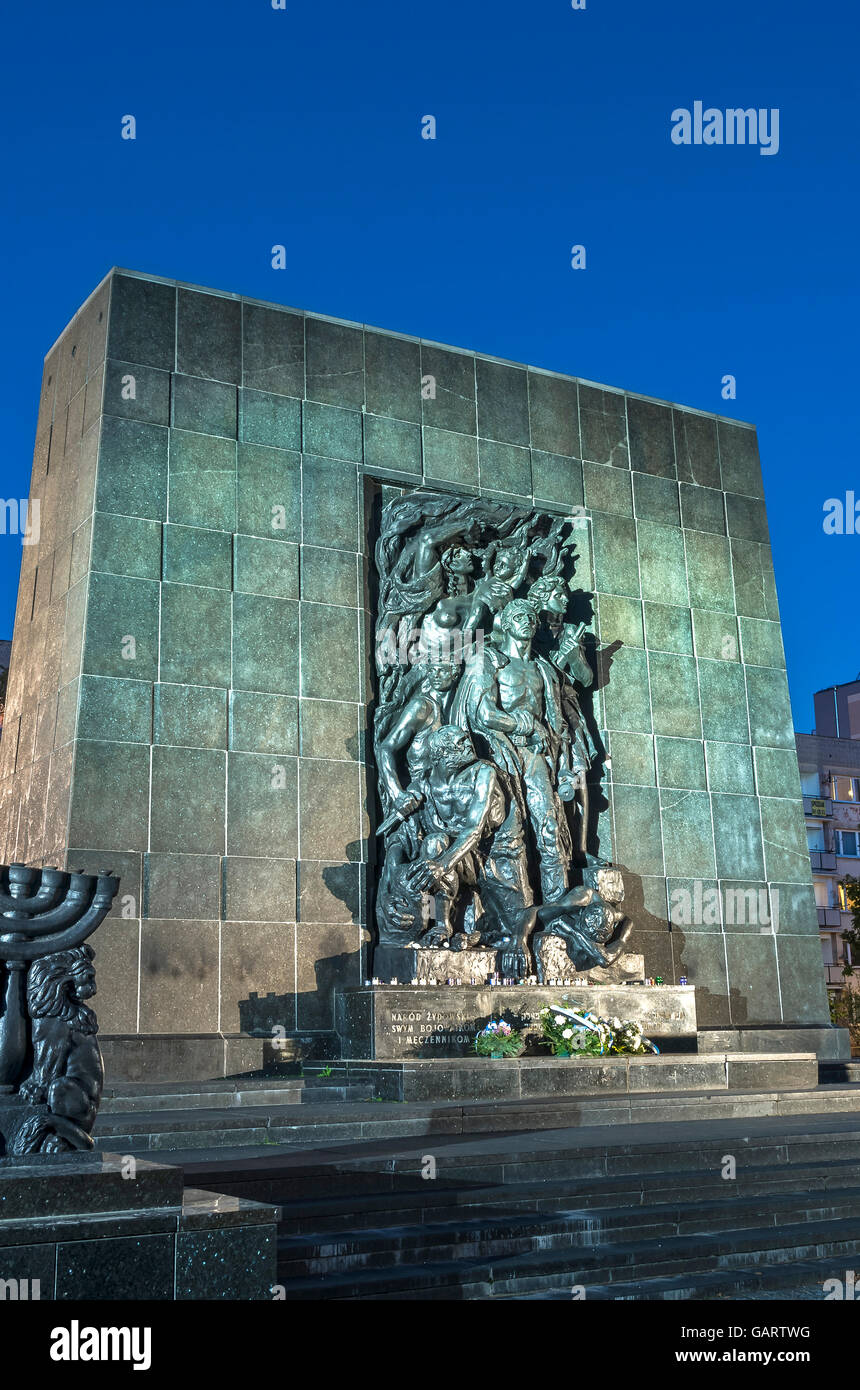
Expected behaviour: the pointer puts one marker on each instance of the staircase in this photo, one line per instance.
(632, 1214)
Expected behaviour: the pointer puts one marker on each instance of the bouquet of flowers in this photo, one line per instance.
(498, 1039)
(570, 1030)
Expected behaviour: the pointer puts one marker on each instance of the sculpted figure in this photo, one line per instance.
(513, 699)
(68, 1074)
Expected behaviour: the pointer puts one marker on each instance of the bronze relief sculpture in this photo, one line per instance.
(481, 739)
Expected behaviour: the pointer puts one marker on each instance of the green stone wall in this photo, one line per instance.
(220, 519)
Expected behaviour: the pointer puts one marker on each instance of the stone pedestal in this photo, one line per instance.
(397, 1021)
(86, 1227)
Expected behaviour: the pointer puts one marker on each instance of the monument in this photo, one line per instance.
(356, 656)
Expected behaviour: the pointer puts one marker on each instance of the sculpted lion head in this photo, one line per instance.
(57, 986)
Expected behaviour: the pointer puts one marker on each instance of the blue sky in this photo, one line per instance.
(301, 126)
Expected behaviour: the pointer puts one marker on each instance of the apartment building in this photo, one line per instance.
(829, 761)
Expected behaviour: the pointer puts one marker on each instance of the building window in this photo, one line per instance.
(815, 839)
(847, 844)
(842, 898)
(810, 784)
(845, 788)
(823, 896)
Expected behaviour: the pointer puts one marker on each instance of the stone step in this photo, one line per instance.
(803, 1278)
(686, 1258)
(341, 1118)
(506, 1232)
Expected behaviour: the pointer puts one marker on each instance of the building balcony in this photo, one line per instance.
(833, 975)
(829, 917)
(823, 861)
(821, 807)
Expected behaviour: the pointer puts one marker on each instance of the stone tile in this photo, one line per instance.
(661, 563)
(327, 956)
(770, 708)
(449, 457)
(132, 391)
(261, 806)
(330, 504)
(330, 729)
(607, 489)
(503, 403)
(616, 564)
(801, 979)
(556, 478)
(271, 420)
(762, 643)
(656, 499)
(265, 644)
(554, 415)
(392, 444)
(701, 957)
(702, 509)
(194, 555)
(652, 448)
(786, 850)
(190, 716)
(330, 811)
(730, 767)
(126, 1267)
(668, 628)
(265, 567)
(777, 772)
(132, 469)
(273, 350)
(681, 763)
(331, 432)
(122, 627)
(737, 836)
(186, 612)
(329, 892)
(209, 336)
(187, 800)
(626, 695)
(116, 945)
(793, 909)
(621, 620)
(115, 709)
(716, 635)
(505, 467)
(746, 518)
(202, 481)
(636, 840)
(329, 576)
(329, 665)
(632, 759)
(752, 970)
(208, 407)
(110, 795)
(257, 961)
(142, 322)
(187, 886)
(674, 695)
(723, 702)
(120, 545)
(269, 492)
(755, 588)
(709, 571)
(179, 977)
(695, 903)
(739, 460)
(453, 406)
(745, 906)
(603, 427)
(688, 837)
(392, 376)
(262, 723)
(260, 890)
(696, 449)
(335, 363)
